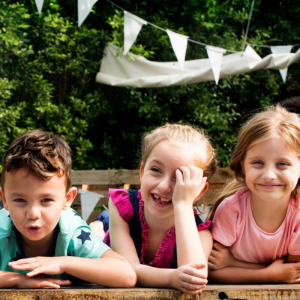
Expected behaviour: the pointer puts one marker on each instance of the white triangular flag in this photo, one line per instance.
(280, 50)
(39, 5)
(215, 55)
(179, 44)
(88, 201)
(252, 56)
(84, 8)
(132, 27)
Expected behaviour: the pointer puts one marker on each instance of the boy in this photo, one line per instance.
(39, 232)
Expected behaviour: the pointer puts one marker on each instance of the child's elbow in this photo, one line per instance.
(130, 279)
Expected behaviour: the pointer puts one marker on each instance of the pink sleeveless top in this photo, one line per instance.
(164, 254)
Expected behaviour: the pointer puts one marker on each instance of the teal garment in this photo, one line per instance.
(74, 238)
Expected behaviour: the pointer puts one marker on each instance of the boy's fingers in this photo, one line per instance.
(49, 284)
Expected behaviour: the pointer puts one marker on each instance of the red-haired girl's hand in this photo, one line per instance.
(282, 272)
(220, 257)
(189, 185)
(189, 279)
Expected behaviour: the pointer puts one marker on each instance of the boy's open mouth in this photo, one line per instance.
(33, 228)
(162, 201)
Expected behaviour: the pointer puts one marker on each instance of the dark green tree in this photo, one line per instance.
(48, 67)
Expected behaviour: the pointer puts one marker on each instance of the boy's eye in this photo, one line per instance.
(282, 163)
(47, 200)
(19, 200)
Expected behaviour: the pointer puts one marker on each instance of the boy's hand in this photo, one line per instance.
(41, 281)
(189, 279)
(39, 265)
(220, 257)
(189, 184)
(284, 272)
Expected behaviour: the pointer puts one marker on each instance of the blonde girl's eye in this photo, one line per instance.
(155, 169)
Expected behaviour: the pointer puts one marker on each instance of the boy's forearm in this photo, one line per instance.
(109, 271)
(9, 279)
(234, 275)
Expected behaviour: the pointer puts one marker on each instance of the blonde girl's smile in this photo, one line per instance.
(158, 175)
(160, 200)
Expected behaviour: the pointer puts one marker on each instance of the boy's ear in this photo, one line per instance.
(142, 170)
(3, 198)
(70, 197)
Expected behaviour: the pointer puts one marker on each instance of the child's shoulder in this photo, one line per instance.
(5, 224)
(237, 198)
(70, 220)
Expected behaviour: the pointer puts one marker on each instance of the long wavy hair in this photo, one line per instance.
(272, 122)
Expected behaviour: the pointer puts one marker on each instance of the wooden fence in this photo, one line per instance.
(101, 180)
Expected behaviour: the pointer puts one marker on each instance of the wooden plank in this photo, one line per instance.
(105, 177)
(121, 177)
(211, 292)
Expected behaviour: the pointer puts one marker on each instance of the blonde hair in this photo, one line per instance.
(272, 122)
(180, 133)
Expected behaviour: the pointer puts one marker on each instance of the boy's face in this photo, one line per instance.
(35, 204)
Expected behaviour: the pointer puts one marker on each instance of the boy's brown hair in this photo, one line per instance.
(41, 153)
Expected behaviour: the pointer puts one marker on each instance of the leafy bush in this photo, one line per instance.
(48, 67)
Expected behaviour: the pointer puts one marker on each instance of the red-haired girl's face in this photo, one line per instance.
(271, 170)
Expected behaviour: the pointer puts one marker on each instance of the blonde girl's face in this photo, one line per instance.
(271, 171)
(158, 177)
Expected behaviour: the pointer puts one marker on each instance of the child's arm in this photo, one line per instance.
(293, 259)
(277, 272)
(21, 281)
(111, 270)
(224, 268)
(221, 257)
(190, 248)
(187, 278)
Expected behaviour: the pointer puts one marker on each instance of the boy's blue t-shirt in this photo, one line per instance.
(73, 238)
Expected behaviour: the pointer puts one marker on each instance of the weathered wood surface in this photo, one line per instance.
(211, 292)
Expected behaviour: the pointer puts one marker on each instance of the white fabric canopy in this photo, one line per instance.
(140, 72)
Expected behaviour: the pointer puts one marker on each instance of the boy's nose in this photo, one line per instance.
(33, 213)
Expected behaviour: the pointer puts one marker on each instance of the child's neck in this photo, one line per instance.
(269, 215)
(158, 224)
(37, 248)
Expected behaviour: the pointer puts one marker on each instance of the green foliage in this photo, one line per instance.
(48, 67)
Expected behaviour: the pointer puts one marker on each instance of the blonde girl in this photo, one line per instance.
(176, 165)
(256, 222)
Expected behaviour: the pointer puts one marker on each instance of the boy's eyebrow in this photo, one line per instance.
(21, 195)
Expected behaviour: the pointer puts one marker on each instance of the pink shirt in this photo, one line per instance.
(234, 227)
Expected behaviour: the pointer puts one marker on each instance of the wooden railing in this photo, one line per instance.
(101, 180)
(211, 292)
